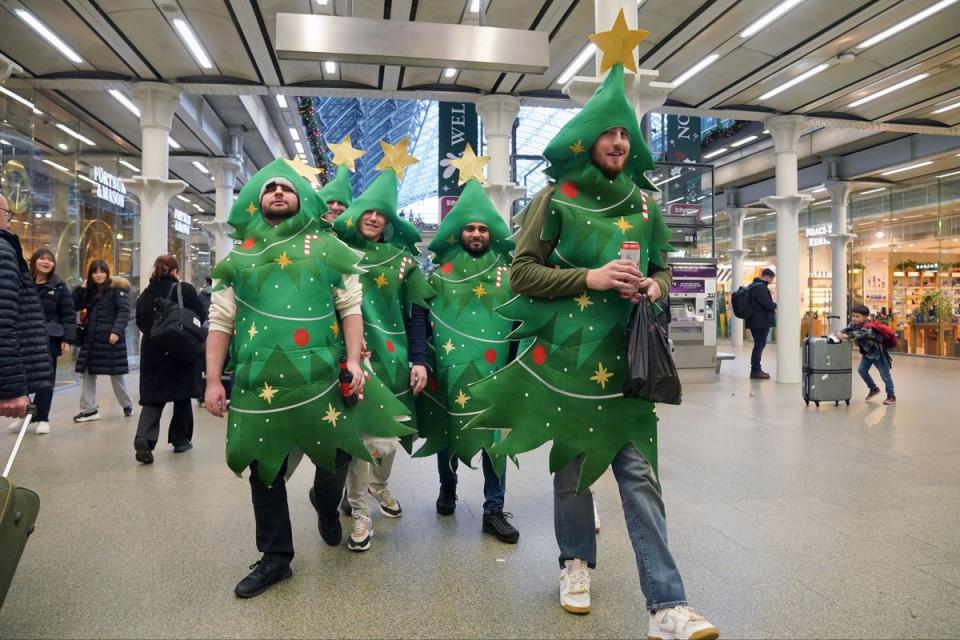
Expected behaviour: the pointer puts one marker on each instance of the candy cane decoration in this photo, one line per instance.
(406, 260)
(644, 197)
(306, 243)
(500, 271)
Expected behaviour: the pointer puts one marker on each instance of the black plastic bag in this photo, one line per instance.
(651, 374)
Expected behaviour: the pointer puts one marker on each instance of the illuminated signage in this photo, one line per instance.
(181, 222)
(109, 187)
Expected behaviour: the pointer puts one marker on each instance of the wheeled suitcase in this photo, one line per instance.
(18, 514)
(827, 371)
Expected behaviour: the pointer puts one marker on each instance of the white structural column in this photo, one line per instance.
(498, 112)
(157, 103)
(224, 172)
(737, 254)
(785, 131)
(839, 239)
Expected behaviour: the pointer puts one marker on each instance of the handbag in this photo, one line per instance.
(651, 373)
(177, 329)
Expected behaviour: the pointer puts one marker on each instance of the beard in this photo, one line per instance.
(476, 253)
(280, 215)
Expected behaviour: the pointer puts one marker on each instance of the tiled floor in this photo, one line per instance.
(786, 521)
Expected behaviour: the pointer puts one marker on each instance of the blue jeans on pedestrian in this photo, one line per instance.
(494, 488)
(646, 525)
(883, 366)
(759, 342)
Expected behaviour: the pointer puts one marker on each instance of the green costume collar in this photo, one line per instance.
(473, 205)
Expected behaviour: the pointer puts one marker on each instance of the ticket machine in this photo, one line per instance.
(693, 317)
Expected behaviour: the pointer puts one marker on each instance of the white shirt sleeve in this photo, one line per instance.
(347, 300)
(223, 311)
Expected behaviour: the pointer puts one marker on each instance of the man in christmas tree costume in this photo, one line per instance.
(569, 280)
(469, 342)
(274, 307)
(391, 284)
(338, 193)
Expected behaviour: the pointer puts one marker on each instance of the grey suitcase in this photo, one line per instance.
(827, 371)
(18, 514)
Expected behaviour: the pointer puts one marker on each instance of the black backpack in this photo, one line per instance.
(177, 329)
(742, 302)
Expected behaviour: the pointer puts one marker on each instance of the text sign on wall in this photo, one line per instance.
(181, 222)
(109, 186)
(457, 128)
(817, 236)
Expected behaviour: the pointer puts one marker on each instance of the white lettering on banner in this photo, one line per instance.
(458, 118)
(683, 127)
(109, 187)
(181, 222)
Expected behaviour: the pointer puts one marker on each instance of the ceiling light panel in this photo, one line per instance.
(909, 167)
(294, 135)
(330, 66)
(79, 136)
(125, 101)
(907, 23)
(47, 34)
(714, 154)
(949, 107)
(577, 64)
(200, 167)
(282, 102)
(888, 90)
(740, 143)
(795, 81)
(17, 97)
(130, 166)
(193, 43)
(769, 17)
(695, 69)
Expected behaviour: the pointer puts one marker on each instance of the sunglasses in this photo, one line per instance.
(7, 213)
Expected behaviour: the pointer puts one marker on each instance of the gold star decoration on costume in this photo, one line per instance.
(303, 169)
(380, 281)
(267, 393)
(601, 375)
(452, 240)
(332, 415)
(618, 44)
(348, 223)
(577, 148)
(335, 329)
(283, 260)
(448, 346)
(462, 399)
(344, 154)
(583, 300)
(479, 291)
(623, 224)
(251, 208)
(470, 166)
(396, 157)
(252, 331)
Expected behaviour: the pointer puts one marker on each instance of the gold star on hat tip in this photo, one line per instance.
(303, 169)
(396, 157)
(618, 44)
(344, 154)
(470, 166)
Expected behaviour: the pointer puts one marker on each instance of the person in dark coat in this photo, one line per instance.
(762, 318)
(104, 306)
(164, 378)
(24, 356)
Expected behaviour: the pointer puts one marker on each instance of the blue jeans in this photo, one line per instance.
(759, 342)
(646, 524)
(883, 367)
(494, 488)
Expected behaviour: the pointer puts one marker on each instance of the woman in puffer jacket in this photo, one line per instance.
(104, 306)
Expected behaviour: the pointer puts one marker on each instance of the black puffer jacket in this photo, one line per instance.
(25, 365)
(58, 308)
(107, 315)
(164, 378)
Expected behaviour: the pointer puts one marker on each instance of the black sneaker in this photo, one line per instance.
(142, 446)
(127, 411)
(873, 393)
(447, 501)
(496, 524)
(182, 447)
(265, 574)
(328, 524)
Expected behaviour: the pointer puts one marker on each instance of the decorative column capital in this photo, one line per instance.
(739, 253)
(157, 103)
(737, 216)
(224, 171)
(788, 205)
(785, 131)
(839, 190)
(498, 112)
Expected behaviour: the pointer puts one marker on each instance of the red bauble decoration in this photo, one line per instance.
(569, 189)
(490, 356)
(390, 346)
(539, 354)
(301, 337)
(446, 267)
(248, 243)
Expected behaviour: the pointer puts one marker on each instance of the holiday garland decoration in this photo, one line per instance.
(725, 131)
(311, 124)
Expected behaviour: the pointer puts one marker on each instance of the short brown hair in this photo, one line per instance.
(164, 266)
(861, 309)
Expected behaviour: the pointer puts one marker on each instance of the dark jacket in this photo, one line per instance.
(869, 341)
(764, 308)
(58, 309)
(25, 365)
(107, 315)
(164, 378)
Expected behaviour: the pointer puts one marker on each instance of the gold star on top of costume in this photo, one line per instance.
(479, 291)
(283, 260)
(344, 154)
(331, 416)
(623, 224)
(267, 393)
(618, 44)
(396, 157)
(462, 399)
(252, 331)
(470, 166)
(303, 169)
(448, 346)
(583, 300)
(577, 148)
(335, 329)
(251, 208)
(348, 223)
(601, 375)
(380, 281)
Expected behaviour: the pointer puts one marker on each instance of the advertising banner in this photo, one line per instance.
(457, 128)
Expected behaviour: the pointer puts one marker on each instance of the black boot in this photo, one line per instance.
(327, 523)
(266, 572)
(142, 446)
(447, 501)
(496, 524)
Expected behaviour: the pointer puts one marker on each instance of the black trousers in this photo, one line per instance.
(44, 398)
(272, 512)
(181, 424)
(759, 342)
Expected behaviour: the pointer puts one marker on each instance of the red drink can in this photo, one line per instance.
(630, 251)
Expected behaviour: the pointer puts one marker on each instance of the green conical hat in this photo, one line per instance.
(245, 215)
(339, 188)
(606, 109)
(473, 205)
(380, 196)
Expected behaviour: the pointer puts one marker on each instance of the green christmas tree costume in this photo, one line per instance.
(288, 341)
(392, 282)
(339, 188)
(469, 337)
(566, 387)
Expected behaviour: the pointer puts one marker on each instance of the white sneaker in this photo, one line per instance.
(575, 587)
(43, 427)
(680, 623)
(388, 504)
(87, 416)
(359, 540)
(14, 426)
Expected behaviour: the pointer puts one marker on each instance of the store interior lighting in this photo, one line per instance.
(795, 81)
(282, 102)
(130, 166)
(16, 96)
(909, 167)
(56, 166)
(182, 198)
(193, 43)
(86, 179)
(125, 101)
(769, 17)
(907, 23)
(695, 69)
(200, 167)
(79, 136)
(890, 89)
(53, 39)
(577, 64)
(948, 175)
(866, 193)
